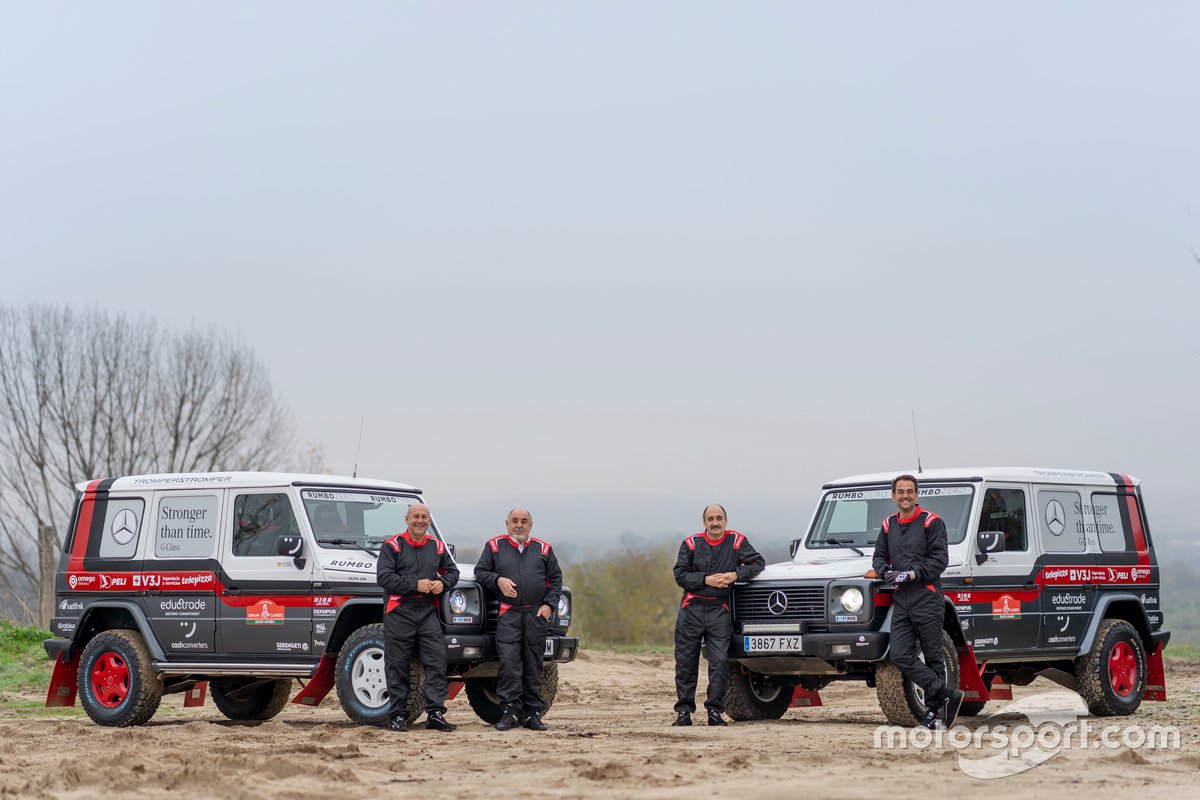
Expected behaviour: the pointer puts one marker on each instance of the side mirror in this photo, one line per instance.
(988, 543)
(795, 545)
(293, 546)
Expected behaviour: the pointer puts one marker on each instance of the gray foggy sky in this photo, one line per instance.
(617, 260)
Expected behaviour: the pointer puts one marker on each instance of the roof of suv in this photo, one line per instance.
(240, 480)
(1012, 474)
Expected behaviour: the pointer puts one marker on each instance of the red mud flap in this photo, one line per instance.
(1156, 677)
(319, 684)
(63, 683)
(453, 689)
(969, 679)
(194, 698)
(805, 698)
(1000, 689)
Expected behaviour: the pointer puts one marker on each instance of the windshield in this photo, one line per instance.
(854, 516)
(359, 519)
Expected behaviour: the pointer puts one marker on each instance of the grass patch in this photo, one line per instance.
(634, 649)
(1182, 651)
(23, 663)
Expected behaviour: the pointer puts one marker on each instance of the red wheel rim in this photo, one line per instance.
(110, 679)
(1122, 669)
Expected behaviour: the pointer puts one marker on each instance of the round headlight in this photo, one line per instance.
(458, 602)
(852, 599)
(564, 608)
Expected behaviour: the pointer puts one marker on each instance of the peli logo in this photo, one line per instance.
(1006, 607)
(264, 612)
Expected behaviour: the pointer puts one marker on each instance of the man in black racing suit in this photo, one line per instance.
(414, 569)
(911, 552)
(707, 566)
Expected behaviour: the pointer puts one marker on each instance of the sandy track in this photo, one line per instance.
(609, 738)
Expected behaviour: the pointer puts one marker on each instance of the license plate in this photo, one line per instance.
(549, 649)
(772, 644)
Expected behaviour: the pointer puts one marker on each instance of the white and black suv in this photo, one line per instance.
(1052, 572)
(242, 583)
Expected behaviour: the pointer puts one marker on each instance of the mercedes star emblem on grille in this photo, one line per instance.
(777, 603)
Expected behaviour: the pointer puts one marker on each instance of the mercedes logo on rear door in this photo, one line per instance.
(777, 603)
(1055, 517)
(124, 526)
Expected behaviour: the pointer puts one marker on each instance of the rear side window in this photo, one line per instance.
(186, 526)
(1105, 520)
(1061, 522)
(259, 520)
(1004, 511)
(122, 527)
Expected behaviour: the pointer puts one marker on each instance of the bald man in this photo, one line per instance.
(708, 565)
(414, 568)
(525, 572)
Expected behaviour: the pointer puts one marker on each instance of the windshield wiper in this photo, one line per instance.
(351, 543)
(840, 543)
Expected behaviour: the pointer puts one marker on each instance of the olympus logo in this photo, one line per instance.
(777, 603)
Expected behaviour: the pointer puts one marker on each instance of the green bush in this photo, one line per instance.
(626, 599)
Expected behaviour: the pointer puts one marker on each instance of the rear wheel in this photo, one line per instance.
(361, 681)
(1111, 678)
(485, 702)
(117, 684)
(751, 695)
(250, 699)
(902, 701)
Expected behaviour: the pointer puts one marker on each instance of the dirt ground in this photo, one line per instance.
(609, 738)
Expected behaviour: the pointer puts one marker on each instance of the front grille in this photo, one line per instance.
(750, 603)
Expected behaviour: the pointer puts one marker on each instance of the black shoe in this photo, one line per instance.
(929, 720)
(951, 706)
(397, 724)
(437, 722)
(534, 722)
(715, 718)
(683, 718)
(508, 721)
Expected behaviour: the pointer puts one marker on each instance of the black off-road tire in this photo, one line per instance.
(362, 684)
(481, 694)
(1095, 673)
(750, 696)
(250, 699)
(116, 681)
(900, 699)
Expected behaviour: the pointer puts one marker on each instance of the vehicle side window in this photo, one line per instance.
(122, 527)
(1061, 522)
(186, 525)
(1004, 511)
(1104, 517)
(258, 521)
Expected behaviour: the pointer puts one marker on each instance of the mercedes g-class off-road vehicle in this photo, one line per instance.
(241, 583)
(1052, 572)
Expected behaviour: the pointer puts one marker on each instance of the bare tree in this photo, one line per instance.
(90, 394)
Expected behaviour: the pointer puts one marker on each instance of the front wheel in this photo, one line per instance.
(902, 701)
(117, 684)
(1111, 678)
(361, 681)
(250, 699)
(481, 694)
(750, 695)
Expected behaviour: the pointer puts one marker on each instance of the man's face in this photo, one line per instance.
(905, 497)
(520, 523)
(714, 522)
(418, 520)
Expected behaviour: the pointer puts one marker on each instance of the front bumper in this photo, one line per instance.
(481, 647)
(822, 646)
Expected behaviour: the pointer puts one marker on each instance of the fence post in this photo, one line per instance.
(47, 560)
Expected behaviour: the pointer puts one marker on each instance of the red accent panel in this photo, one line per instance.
(195, 696)
(737, 540)
(83, 527)
(1000, 690)
(691, 541)
(1156, 679)
(453, 689)
(805, 698)
(887, 524)
(63, 683)
(392, 602)
(504, 608)
(931, 588)
(495, 544)
(319, 684)
(930, 517)
(969, 679)
(916, 514)
(883, 599)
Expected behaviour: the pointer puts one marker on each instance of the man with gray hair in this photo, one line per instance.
(525, 572)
